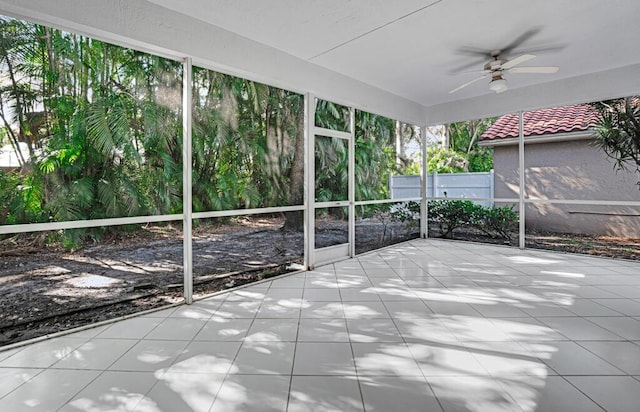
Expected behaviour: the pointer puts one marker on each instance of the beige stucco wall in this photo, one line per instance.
(570, 170)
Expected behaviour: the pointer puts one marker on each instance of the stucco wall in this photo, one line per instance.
(570, 170)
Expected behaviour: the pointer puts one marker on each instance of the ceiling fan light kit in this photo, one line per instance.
(498, 85)
(497, 66)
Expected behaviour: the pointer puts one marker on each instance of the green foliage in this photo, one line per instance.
(497, 221)
(103, 125)
(442, 160)
(481, 159)
(449, 215)
(463, 140)
(619, 131)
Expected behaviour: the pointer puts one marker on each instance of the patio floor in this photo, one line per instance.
(427, 325)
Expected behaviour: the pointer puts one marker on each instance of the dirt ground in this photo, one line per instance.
(605, 246)
(46, 289)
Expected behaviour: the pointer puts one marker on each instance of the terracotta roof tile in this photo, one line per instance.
(578, 117)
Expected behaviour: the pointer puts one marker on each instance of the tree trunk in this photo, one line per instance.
(294, 221)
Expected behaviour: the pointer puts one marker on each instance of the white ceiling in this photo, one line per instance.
(411, 47)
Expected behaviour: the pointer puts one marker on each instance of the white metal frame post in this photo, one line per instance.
(521, 194)
(352, 183)
(424, 211)
(187, 228)
(310, 185)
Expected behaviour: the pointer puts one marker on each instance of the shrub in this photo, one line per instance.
(498, 221)
(450, 215)
(408, 213)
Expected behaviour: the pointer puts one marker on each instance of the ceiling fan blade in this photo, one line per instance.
(520, 40)
(518, 60)
(477, 72)
(472, 51)
(543, 49)
(467, 66)
(532, 69)
(462, 86)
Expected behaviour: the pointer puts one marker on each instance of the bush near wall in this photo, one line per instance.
(449, 215)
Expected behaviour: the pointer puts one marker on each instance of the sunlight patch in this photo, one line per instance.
(87, 280)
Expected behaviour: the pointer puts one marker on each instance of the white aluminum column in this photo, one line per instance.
(521, 204)
(187, 211)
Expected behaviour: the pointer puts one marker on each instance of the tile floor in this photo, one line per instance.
(423, 326)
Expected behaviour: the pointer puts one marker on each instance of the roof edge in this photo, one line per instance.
(544, 138)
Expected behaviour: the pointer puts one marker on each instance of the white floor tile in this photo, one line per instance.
(407, 310)
(176, 329)
(111, 392)
(323, 359)
(588, 307)
(271, 330)
(224, 329)
(426, 330)
(134, 328)
(526, 329)
(446, 360)
(238, 310)
(321, 295)
(384, 394)
(182, 392)
(199, 310)
(385, 359)
(469, 328)
(11, 378)
(623, 355)
(323, 330)
(282, 309)
(206, 357)
(322, 310)
(627, 327)
(507, 359)
(289, 282)
(499, 310)
(472, 394)
(550, 394)
(358, 294)
(324, 394)
(8, 353)
(628, 307)
(262, 358)
(365, 310)
(569, 358)
(48, 391)
(451, 308)
(274, 295)
(43, 354)
(546, 310)
(252, 393)
(613, 393)
(96, 354)
(149, 356)
(578, 329)
(373, 330)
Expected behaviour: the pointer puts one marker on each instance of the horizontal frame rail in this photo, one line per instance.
(246, 212)
(321, 131)
(81, 224)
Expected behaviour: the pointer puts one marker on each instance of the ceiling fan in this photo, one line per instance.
(497, 67)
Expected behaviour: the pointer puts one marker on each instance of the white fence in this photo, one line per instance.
(450, 185)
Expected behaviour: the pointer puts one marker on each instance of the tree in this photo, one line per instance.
(619, 131)
(462, 137)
